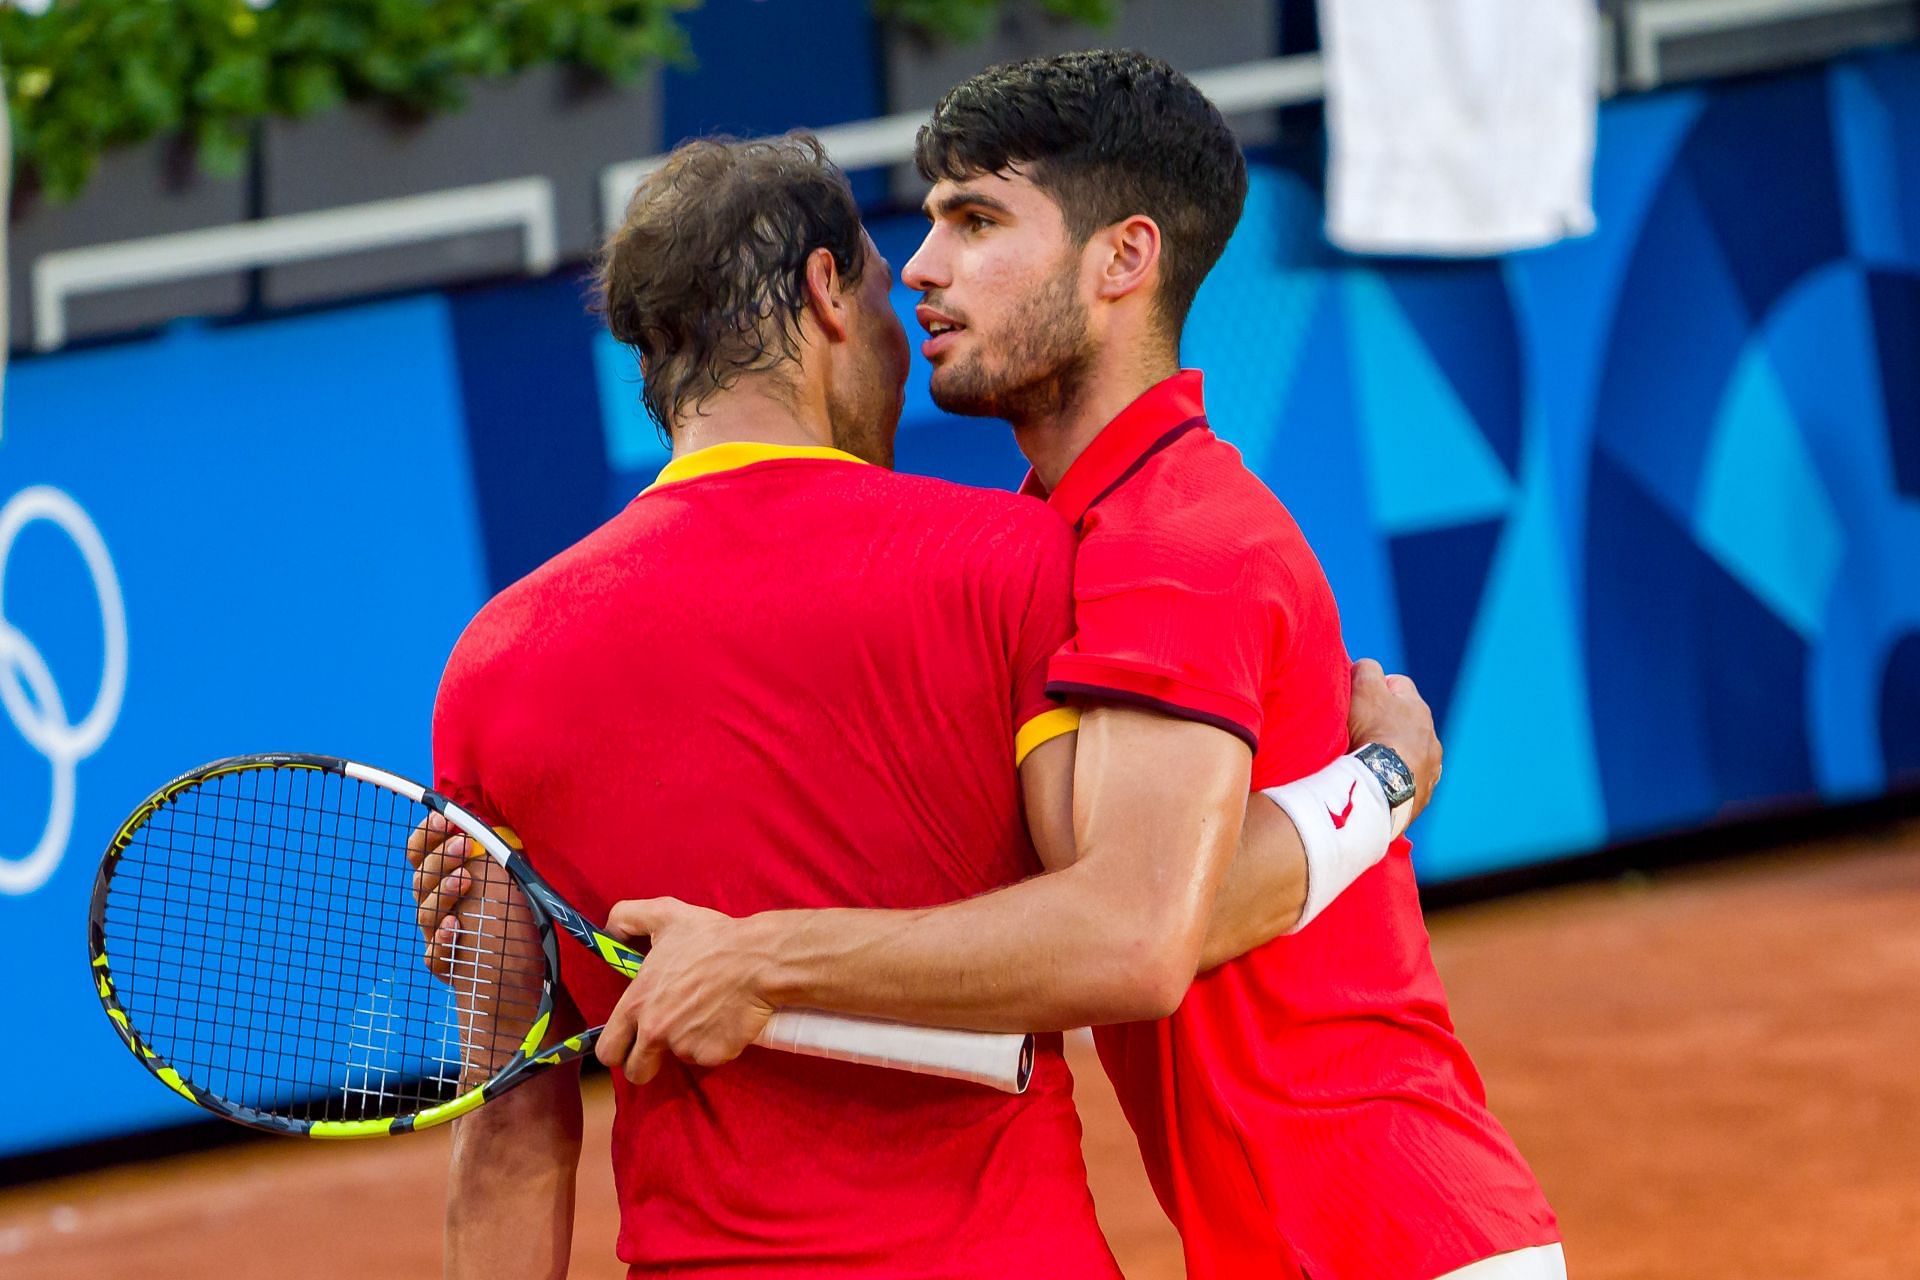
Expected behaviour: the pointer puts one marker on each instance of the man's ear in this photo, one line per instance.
(1131, 249)
(825, 301)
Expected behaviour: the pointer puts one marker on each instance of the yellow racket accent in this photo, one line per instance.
(450, 1110)
(171, 1078)
(616, 954)
(571, 1044)
(357, 1128)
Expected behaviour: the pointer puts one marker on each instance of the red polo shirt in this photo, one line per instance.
(781, 678)
(1309, 1107)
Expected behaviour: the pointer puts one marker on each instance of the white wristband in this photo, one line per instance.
(1345, 825)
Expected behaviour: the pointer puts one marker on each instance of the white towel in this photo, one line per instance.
(1459, 127)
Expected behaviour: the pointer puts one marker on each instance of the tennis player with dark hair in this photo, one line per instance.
(811, 682)
(1308, 1109)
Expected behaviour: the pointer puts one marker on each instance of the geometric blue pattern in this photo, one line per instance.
(1429, 465)
(1521, 688)
(1437, 625)
(1763, 513)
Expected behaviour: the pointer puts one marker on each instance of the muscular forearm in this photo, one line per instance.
(1050, 953)
(510, 1184)
(1264, 888)
(1114, 937)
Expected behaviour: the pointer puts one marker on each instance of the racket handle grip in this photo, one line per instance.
(1000, 1060)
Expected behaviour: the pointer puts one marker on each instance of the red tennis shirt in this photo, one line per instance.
(1308, 1108)
(781, 678)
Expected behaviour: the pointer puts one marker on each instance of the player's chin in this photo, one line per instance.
(953, 391)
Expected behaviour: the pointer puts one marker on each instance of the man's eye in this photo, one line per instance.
(978, 222)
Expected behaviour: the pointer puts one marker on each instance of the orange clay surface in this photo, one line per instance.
(1715, 1072)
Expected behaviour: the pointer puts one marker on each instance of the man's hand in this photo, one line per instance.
(696, 996)
(438, 853)
(480, 941)
(1389, 710)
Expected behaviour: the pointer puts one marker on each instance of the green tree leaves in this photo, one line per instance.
(89, 75)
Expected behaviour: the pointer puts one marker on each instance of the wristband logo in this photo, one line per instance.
(29, 693)
(1340, 818)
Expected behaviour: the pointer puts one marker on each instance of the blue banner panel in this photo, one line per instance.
(250, 539)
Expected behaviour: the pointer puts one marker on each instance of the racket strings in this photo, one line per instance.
(264, 937)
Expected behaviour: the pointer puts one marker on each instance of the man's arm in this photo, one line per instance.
(1115, 937)
(1264, 890)
(510, 1185)
(1260, 895)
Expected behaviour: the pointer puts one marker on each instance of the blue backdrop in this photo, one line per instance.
(1644, 506)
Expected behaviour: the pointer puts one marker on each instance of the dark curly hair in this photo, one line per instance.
(1108, 133)
(707, 276)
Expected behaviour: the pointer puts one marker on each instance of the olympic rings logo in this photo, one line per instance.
(27, 687)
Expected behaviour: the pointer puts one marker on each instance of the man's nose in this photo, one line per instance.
(925, 270)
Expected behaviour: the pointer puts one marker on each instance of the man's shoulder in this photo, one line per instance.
(960, 499)
(508, 621)
(996, 521)
(1196, 507)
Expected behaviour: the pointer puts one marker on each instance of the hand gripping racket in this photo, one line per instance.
(255, 940)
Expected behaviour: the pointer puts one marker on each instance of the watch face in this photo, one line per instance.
(1395, 777)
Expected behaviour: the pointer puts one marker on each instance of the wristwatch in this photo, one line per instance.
(1386, 765)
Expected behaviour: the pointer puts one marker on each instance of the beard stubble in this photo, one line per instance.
(1044, 359)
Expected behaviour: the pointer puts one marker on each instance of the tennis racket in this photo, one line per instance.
(255, 939)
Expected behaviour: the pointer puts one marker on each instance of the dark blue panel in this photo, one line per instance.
(766, 66)
(1699, 690)
(533, 419)
(976, 451)
(1439, 578)
(1464, 317)
(1900, 712)
(1752, 673)
(1297, 23)
(1643, 577)
(1678, 328)
(1773, 223)
(1895, 301)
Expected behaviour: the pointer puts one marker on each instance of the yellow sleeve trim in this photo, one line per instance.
(1044, 727)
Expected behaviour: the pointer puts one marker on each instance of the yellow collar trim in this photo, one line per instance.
(716, 458)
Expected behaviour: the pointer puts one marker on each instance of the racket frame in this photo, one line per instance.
(546, 908)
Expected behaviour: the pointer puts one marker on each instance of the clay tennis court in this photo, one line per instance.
(1712, 1071)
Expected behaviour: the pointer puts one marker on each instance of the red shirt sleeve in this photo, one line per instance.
(457, 730)
(1185, 630)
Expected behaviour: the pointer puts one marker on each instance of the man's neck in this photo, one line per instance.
(746, 414)
(1052, 441)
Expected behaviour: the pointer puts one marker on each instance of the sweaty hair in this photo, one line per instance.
(707, 276)
(1107, 134)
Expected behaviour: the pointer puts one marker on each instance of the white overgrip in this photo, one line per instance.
(1000, 1060)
